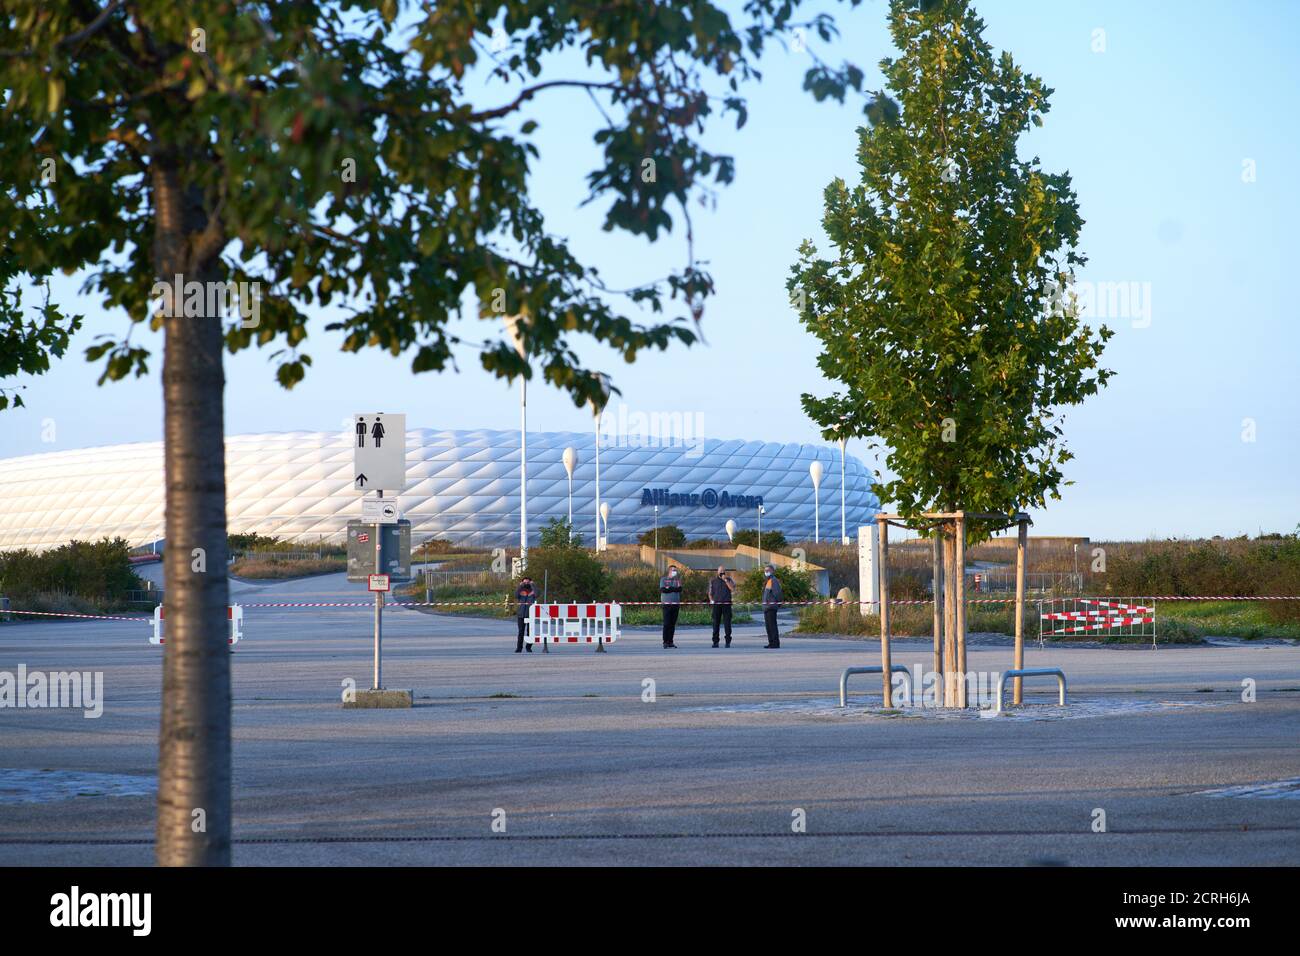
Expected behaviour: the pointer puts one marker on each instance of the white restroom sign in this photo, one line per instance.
(378, 452)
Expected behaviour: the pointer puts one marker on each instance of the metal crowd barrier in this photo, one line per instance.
(875, 669)
(1029, 672)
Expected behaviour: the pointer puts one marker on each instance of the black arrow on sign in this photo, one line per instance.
(361, 479)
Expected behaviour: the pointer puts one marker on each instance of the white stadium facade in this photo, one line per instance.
(461, 485)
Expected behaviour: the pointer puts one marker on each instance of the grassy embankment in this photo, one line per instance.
(1268, 565)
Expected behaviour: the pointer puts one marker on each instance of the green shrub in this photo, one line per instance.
(252, 541)
(795, 585)
(435, 546)
(642, 584)
(100, 570)
(772, 540)
(570, 574)
(559, 533)
(909, 586)
(670, 536)
(1238, 566)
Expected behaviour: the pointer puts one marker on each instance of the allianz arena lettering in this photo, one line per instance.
(708, 498)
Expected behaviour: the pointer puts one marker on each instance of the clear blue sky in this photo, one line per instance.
(1154, 131)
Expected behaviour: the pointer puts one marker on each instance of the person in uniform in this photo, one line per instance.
(526, 595)
(720, 591)
(670, 591)
(771, 604)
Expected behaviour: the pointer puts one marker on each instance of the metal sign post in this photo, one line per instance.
(379, 605)
(379, 461)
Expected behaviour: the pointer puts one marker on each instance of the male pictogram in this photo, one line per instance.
(361, 433)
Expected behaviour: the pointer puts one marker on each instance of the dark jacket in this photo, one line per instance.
(670, 589)
(772, 590)
(719, 593)
(526, 595)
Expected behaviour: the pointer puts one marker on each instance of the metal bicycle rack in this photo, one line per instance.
(875, 669)
(1028, 672)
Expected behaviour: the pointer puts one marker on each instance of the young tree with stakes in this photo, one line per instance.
(944, 314)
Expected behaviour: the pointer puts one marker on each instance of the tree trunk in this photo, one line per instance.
(194, 751)
(936, 587)
(1022, 532)
(959, 570)
(949, 617)
(886, 662)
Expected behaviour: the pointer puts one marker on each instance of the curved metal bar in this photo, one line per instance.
(1029, 672)
(875, 669)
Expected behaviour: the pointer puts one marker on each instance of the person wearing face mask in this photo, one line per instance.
(771, 603)
(526, 595)
(720, 589)
(670, 591)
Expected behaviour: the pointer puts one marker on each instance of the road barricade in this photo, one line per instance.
(575, 623)
(234, 614)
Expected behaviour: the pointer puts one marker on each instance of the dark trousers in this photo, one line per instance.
(721, 616)
(670, 621)
(769, 620)
(523, 622)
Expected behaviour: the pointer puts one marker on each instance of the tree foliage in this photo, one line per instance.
(771, 540)
(668, 536)
(559, 533)
(26, 345)
(375, 154)
(568, 574)
(944, 314)
(97, 570)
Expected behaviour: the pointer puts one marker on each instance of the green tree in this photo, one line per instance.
(795, 585)
(558, 533)
(945, 312)
(771, 540)
(317, 152)
(568, 574)
(668, 536)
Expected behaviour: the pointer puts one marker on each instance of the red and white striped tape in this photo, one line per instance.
(511, 603)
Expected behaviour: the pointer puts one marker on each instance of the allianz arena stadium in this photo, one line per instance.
(461, 485)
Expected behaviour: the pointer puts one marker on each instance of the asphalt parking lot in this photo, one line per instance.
(571, 755)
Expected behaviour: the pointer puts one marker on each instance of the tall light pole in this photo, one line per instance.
(844, 533)
(604, 513)
(514, 328)
(731, 529)
(761, 509)
(815, 472)
(598, 406)
(656, 529)
(570, 462)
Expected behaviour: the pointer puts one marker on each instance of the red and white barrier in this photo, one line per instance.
(1088, 615)
(234, 614)
(575, 623)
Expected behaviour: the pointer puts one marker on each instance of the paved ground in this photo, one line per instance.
(710, 772)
